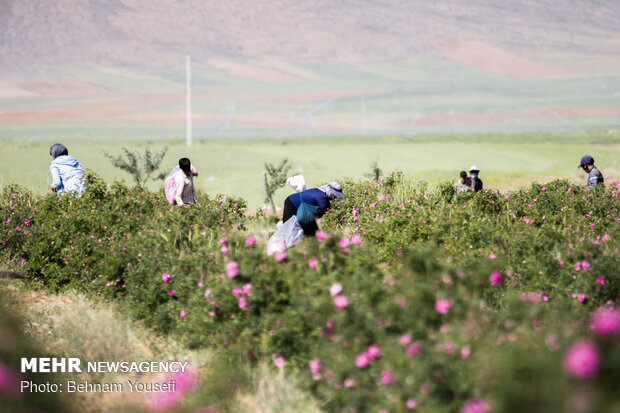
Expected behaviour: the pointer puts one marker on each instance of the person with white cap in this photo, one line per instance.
(310, 204)
(475, 183)
(595, 176)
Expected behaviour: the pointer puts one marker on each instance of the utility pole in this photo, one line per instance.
(188, 109)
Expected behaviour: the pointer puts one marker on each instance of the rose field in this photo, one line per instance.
(410, 297)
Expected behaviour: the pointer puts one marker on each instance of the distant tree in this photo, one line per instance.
(375, 172)
(140, 166)
(275, 178)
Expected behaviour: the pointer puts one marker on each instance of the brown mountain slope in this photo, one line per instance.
(44, 36)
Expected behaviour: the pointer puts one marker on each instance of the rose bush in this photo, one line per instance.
(409, 297)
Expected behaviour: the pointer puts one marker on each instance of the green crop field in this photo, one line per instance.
(235, 166)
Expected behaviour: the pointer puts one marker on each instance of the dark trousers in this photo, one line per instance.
(290, 209)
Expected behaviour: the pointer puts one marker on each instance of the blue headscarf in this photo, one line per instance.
(58, 149)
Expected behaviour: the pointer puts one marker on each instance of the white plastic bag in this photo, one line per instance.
(298, 182)
(285, 237)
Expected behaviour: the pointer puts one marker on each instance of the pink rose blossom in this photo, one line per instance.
(341, 302)
(321, 235)
(411, 404)
(491, 256)
(232, 269)
(605, 321)
(171, 293)
(165, 277)
(373, 351)
(405, 339)
(223, 240)
(250, 241)
(495, 278)
(465, 352)
(475, 406)
(280, 256)
(279, 362)
(356, 239)
(386, 377)
(344, 242)
(582, 360)
(348, 383)
(335, 289)
(247, 288)
(243, 303)
(413, 349)
(237, 292)
(183, 313)
(312, 263)
(442, 306)
(315, 365)
(600, 280)
(224, 250)
(362, 360)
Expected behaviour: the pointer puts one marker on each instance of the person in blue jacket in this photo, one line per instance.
(314, 202)
(67, 173)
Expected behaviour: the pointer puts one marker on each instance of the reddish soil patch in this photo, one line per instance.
(486, 57)
(464, 118)
(320, 96)
(64, 89)
(259, 74)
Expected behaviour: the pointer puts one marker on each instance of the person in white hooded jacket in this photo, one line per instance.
(67, 173)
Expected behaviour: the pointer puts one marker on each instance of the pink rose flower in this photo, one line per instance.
(344, 242)
(247, 288)
(405, 339)
(224, 250)
(237, 292)
(250, 241)
(312, 263)
(605, 321)
(280, 256)
(442, 306)
(183, 313)
(315, 365)
(321, 235)
(243, 303)
(413, 349)
(475, 406)
(491, 256)
(341, 302)
(232, 269)
(386, 377)
(465, 352)
(171, 293)
(362, 360)
(356, 239)
(600, 280)
(411, 404)
(335, 289)
(373, 351)
(165, 277)
(582, 360)
(495, 278)
(223, 240)
(279, 362)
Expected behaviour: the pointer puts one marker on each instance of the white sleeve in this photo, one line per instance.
(180, 182)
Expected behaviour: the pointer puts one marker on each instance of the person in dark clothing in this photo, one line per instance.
(595, 176)
(474, 183)
(463, 183)
(316, 200)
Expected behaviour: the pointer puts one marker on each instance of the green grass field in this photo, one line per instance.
(234, 166)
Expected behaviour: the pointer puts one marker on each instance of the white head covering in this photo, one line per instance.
(332, 189)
